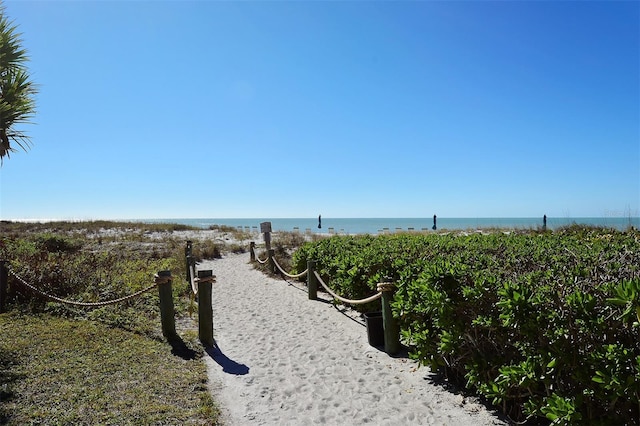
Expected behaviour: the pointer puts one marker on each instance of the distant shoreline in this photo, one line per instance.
(379, 225)
(375, 226)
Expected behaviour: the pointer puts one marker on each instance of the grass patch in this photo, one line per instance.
(61, 371)
(61, 364)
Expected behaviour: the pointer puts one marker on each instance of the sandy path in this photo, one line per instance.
(284, 359)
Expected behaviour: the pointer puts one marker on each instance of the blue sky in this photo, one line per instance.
(185, 109)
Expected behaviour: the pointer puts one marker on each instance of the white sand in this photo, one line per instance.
(286, 360)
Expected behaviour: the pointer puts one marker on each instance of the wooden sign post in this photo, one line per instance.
(265, 228)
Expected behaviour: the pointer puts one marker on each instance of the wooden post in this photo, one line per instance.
(267, 241)
(187, 256)
(252, 251)
(167, 313)
(265, 228)
(205, 309)
(312, 281)
(391, 329)
(272, 265)
(3, 285)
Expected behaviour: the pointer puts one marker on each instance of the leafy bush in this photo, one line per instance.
(206, 249)
(58, 243)
(79, 270)
(542, 324)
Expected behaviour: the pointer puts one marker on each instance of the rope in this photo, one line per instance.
(158, 280)
(342, 299)
(381, 287)
(386, 287)
(210, 279)
(257, 258)
(194, 288)
(253, 250)
(289, 275)
(192, 273)
(161, 279)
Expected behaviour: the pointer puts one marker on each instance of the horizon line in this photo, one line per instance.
(67, 219)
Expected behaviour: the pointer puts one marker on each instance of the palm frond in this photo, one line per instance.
(17, 91)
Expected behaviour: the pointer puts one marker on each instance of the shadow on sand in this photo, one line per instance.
(228, 365)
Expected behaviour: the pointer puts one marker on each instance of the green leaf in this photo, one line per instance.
(599, 377)
(616, 301)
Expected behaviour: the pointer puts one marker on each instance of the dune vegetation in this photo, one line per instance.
(64, 364)
(542, 324)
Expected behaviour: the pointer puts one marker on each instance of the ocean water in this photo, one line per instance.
(376, 226)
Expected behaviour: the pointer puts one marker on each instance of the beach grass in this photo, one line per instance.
(90, 226)
(61, 371)
(104, 365)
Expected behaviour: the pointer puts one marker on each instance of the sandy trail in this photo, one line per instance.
(286, 360)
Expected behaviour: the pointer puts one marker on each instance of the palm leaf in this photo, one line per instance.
(17, 103)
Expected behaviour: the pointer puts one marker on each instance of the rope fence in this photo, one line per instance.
(318, 278)
(384, 292)
(342, 299)
(200, 283)
(200, 287)
(158, 280)
(161, 280)
(300, 275)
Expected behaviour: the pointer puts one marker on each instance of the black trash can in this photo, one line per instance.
(375, 328)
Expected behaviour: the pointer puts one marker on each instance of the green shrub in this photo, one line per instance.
(40, 352)
(58, 243)
(76, 270)
(543, 324)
